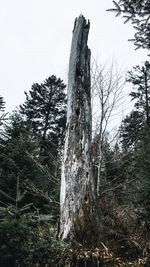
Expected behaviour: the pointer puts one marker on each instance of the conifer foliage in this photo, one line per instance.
(135, 136)
(31, 144)
(138, 12)
(140, 78)
(45, 113)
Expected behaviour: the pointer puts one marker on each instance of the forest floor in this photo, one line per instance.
(103, 257)
(84, 257)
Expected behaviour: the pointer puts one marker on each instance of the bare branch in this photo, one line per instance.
(34, 190)
(49, 176)
(107, 86)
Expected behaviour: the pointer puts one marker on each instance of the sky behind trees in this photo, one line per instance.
(36, 37)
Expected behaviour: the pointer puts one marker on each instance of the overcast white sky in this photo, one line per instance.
(35, 39)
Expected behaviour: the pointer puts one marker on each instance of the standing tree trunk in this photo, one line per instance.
(77, 188)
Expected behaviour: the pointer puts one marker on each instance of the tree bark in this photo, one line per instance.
(77, 187)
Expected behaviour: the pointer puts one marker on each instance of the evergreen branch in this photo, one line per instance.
(51, 177)
(2, 117)
(127, 18)
(34, 190)
(6, 195)
(116, 5)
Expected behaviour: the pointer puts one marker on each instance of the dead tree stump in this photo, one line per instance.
(77, 189)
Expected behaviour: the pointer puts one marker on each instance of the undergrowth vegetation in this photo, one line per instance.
(28, 238)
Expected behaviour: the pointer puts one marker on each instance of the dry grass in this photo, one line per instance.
(121, 229)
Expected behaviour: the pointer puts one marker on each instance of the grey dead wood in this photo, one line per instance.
(77, 198)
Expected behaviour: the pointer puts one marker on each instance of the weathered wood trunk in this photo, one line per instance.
(77, 189)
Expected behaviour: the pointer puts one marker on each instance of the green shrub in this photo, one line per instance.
(28, 237)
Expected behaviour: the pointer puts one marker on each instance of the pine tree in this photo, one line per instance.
(142, 168)
(130, 130)
(31, 143)
(45, 113)
(14, 142)
(135, 136)
(138, 12)
(140, 79)
(20, 157)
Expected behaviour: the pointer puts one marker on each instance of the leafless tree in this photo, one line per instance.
(107, 97)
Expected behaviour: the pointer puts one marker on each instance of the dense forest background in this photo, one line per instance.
(31, 147)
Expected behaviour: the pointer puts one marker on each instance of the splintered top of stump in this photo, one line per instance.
(79, 62)
(81, 20)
